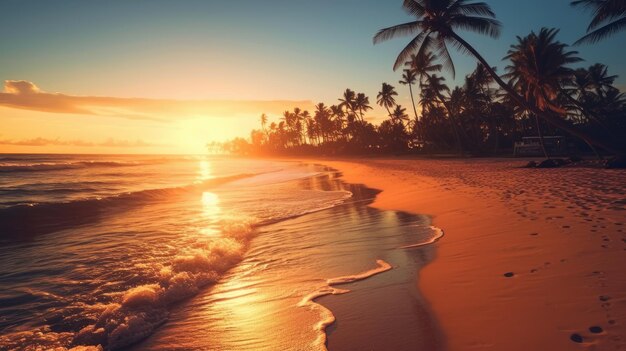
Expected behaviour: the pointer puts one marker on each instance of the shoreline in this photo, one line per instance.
(566, 255)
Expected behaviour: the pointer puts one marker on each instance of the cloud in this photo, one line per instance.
(39, 141)
(20, 87)
(21, 94)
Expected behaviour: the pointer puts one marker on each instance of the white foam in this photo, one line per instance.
(327, 317)
(438, 235)
(141, 309)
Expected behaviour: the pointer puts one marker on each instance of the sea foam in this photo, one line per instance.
(326, 316)
(141, 309)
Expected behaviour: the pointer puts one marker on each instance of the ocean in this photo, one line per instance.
(204, 253)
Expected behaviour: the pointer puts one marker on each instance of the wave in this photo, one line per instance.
(327, 316)
(58, 166)
(140, 310)
(26, 220)
(438, 235)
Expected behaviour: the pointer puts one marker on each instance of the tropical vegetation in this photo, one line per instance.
(544, 90)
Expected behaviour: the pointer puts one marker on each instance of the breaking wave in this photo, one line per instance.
(138, 311)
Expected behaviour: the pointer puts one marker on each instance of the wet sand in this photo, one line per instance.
(532, 259)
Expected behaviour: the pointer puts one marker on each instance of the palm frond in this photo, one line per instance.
(410, 48)
(444, 54)
(414, 7)
(399, 30)
(477, 8)
(481, 25)
(603, 32)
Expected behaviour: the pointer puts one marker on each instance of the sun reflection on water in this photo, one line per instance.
(204, 172)
(211, 211)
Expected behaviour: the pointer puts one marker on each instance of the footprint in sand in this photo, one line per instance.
(577, 338)
(596, 329)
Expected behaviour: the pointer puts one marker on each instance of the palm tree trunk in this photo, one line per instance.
(457, 136)
(541, 141)
(412, 100)
(414, 110)
(556, 121)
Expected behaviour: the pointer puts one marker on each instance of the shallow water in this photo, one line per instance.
(196, 253)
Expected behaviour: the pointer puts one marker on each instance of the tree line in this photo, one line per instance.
(539, 93)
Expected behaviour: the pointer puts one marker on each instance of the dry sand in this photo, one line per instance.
(560, 232)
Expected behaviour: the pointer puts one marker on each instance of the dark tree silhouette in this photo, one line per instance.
(609, 17)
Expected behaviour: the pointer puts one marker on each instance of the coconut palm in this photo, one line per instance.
(600, 79)
(348, 101)
(423, 65)
(435, 27)
(538, 71)
(399, 116)
(435, 85)
(385, 97)
(362, 104)
(409, 77)
(609, 17)
(538, 68)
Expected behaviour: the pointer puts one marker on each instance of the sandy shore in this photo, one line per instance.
(560, 233)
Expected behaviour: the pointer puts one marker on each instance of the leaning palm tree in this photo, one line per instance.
(408, 78)
(609, 17)
(539, 71)
(385, 97)
(435, 27)
(538, 68)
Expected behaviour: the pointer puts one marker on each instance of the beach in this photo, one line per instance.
(193, 253)
(531, 258)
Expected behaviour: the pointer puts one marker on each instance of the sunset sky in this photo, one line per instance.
(168, 76)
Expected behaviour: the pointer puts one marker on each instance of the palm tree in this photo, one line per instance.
(338, 119)
(348, 101)
(599, 78)
(408, 78)
(263, 119)
(362, 104)
(538, 71)
(436, 24)
(399, 116)
(385, 97)
(609, 17)
(423, 65)
(435, 86)
(538, 68)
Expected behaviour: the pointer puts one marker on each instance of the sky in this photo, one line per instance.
(155, 76)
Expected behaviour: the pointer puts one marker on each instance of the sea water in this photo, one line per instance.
(194, 252)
